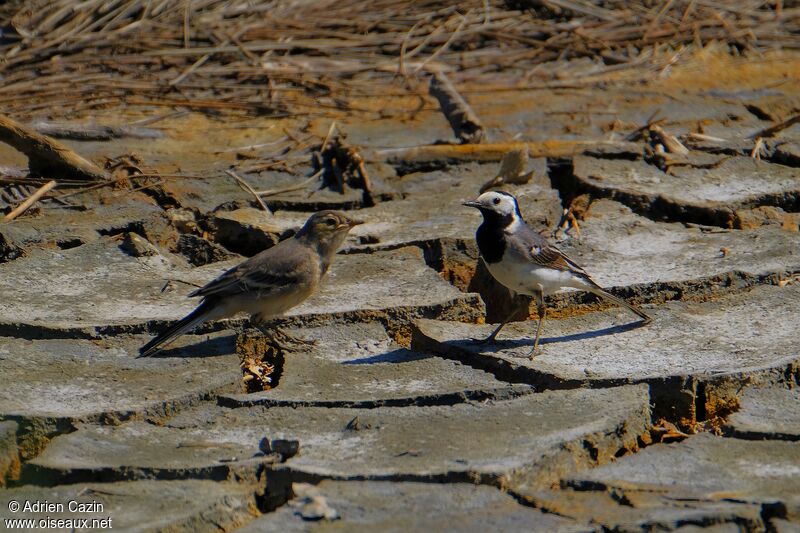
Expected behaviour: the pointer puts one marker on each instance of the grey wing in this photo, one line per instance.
(287, 264)
(545, 254)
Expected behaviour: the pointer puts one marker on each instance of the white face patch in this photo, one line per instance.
(499, 203)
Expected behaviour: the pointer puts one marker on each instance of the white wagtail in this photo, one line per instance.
(525, 262)
(269, 283)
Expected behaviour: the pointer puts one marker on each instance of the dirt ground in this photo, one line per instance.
(673, 177)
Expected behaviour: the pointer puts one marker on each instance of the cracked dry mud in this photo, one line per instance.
(396, 420)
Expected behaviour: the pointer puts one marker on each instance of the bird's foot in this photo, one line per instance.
(483, 341)
(536, 350)
(286, 341)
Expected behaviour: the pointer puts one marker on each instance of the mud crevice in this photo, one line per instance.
(150, 327)
(277, 204)
(158, 193)
(563, 180)
(404, 167)
(771, 511)
(431, 400)
(279, 482)
(262, 361)
(9, 251)
(136, 226)
(33, 474)
(759, 113)
(786, 157)
(760, 435)
(37, 332)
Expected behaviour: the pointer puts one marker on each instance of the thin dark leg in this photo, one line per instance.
(541, 310)
(282, 339)
(491, 337)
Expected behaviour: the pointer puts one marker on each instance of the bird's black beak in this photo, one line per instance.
(474, 204)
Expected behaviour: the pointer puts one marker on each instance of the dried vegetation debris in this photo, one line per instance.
(293, 57)
(261, 362)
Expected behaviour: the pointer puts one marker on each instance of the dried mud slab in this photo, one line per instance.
(67, 228)
(705, 468)
(139, 450)
(614, 510)
(766, 414)
(428, 208)
(83, 290)
(537, 438)
(357, 365)
(203, 506)
(703, 195)
(748, 338)
(621, 248)
(407, 506)
(576, 112)
(52, 385)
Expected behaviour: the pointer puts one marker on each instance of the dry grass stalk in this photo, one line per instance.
(247, 188)
(300, 186)
(281, 57)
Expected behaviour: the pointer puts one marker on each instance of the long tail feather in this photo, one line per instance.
(622, 303)
(195, 318)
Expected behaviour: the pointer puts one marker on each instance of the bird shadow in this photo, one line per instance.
(223, 345)
(498, 345)
(400, 355)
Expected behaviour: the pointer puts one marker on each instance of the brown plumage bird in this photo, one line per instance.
(269, 283)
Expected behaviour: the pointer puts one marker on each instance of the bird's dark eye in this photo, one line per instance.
(496, 201)
(330, 222)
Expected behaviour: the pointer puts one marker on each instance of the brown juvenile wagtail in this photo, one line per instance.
(269, 283)
(525, 262)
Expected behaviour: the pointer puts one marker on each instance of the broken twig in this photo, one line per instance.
(47, 156)
(772, 130)
(465, 123)
(245, 186)
(512, 170)
(32, 199)
(94, 132)
(669, 141)
(302, 185)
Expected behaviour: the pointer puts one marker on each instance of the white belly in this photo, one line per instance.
(526, 278)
